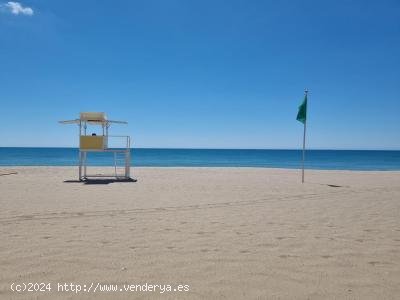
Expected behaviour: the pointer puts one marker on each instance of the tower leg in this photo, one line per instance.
(84, 164)
(115, 165)
(80, 165)
(127, 164)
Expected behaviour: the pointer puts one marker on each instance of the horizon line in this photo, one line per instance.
(207, 148)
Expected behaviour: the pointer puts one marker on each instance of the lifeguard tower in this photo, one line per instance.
(99, 143)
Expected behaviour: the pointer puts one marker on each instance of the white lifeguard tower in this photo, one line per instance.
(99, 143)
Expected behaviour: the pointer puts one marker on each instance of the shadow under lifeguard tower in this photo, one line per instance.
(99, 143)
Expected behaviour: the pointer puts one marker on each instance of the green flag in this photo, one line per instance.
(302, 114)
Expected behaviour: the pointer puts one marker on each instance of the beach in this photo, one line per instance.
(222, 233)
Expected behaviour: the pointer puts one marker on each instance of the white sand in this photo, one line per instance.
(228, 233)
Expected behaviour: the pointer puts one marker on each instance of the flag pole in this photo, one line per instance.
(304, 143)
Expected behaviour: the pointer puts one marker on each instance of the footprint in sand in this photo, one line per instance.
(377, 263)
(284, 237)
(288, 256)
(266, 245)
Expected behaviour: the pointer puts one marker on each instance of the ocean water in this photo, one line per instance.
(315, 159)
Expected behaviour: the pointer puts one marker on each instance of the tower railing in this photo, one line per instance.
(101, 143)
(123, 149)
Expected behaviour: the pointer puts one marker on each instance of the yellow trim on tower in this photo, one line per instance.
(92, 142)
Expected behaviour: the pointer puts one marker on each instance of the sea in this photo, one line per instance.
(368, 160)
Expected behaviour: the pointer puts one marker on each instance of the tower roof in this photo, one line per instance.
(94, 118)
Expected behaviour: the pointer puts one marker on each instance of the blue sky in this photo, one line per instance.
(208, 74)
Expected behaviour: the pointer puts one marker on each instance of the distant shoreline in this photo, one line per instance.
(105, 168)
(199, 148)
